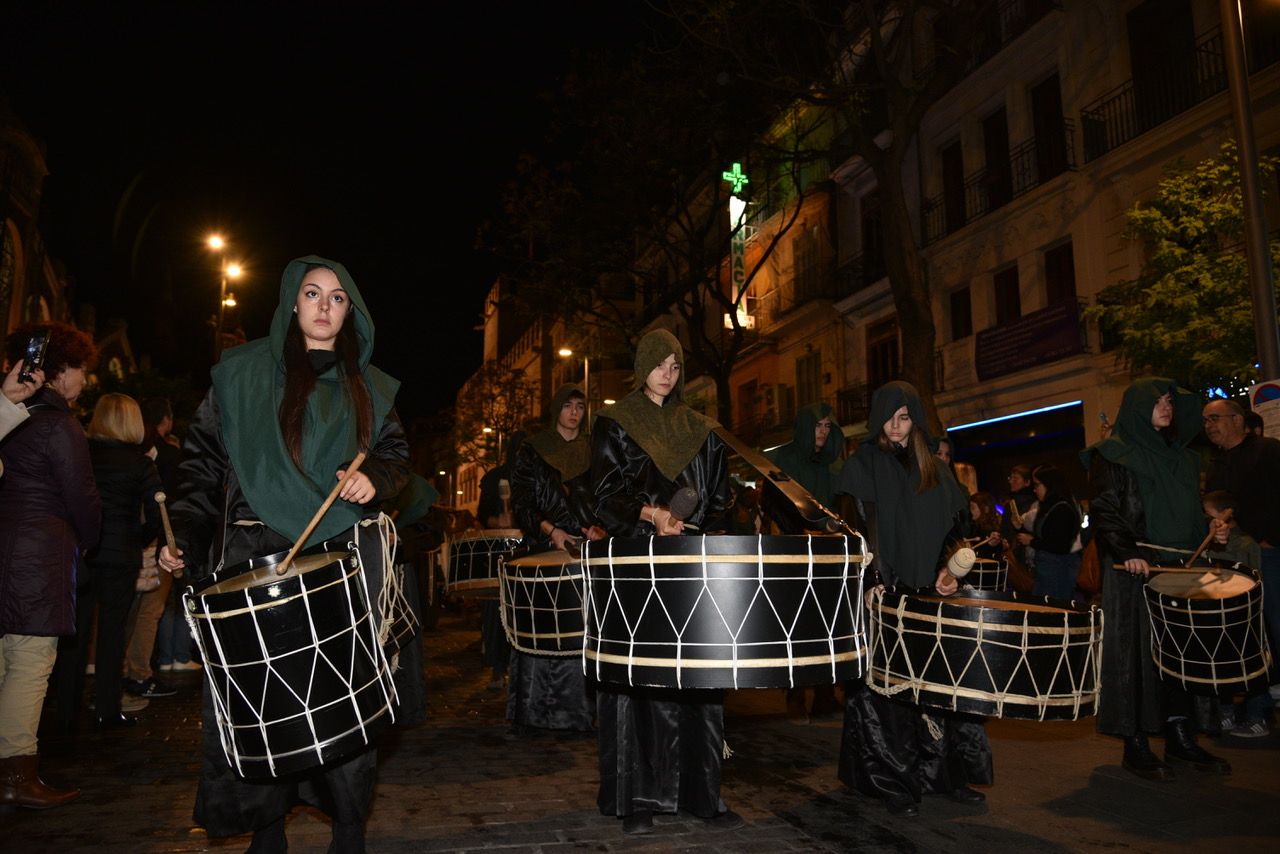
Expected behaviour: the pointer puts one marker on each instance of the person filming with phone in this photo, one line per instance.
(21, 381)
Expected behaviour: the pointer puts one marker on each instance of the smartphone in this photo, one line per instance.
(33, 359)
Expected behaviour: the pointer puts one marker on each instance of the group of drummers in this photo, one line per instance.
(303, 413)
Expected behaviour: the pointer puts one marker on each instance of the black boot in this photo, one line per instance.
(1138, 759)
(269, 839)
(1180, 746)
(348, 838)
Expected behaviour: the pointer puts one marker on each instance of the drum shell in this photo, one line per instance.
(1209, 646)
(472, 558)
(324, 695)
(724, 611)
(542, 603)
(989, 572)
(983, 654)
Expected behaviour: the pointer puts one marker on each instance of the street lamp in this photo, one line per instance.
(565, 352)
(227, 271)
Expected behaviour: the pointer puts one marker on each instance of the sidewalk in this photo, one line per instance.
(454, 784)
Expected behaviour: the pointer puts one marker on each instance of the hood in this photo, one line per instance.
(891, 397)
(1133, 423)
(559, 399)
(292, 280)
(806, 421)
(652, 351)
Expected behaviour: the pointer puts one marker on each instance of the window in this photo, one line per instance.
(999, 174)
(1008, 299)
(1060, 274)
(882, 352)
(1050, 129)
(953, 186)
(809, 378)
(808, 264)
(961, 314)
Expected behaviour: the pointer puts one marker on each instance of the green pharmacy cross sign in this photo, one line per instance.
(737, 177)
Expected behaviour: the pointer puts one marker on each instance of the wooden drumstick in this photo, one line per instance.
(1226, 517)
(168, 530)
(324, 508)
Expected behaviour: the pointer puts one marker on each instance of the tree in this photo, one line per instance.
(1189, 313)
(497, 399)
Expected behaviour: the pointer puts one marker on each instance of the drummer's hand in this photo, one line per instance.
(561, 538)
(358, 490)
(595, 532)
(666, 524)
(993, 539)
(946, 583)
(1221, 530)
(170, 562)
(1024, 538)
(1137, 566)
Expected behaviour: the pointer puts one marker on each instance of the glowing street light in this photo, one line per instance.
(227, 270)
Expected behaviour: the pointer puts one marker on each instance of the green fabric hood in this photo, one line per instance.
(249, 383)
(797, 458)
(570, 457)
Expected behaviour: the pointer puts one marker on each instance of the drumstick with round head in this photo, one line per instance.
(168, 530)
(324, 508)
(960, 562)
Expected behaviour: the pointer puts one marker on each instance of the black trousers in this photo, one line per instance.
(110, 590)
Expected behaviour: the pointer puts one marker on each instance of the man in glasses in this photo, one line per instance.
(1248, 466)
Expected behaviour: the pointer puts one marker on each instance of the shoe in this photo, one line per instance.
(20, 785)
(965, 795)
(184, 665)
(1251, 729)
(128, 703)
(640, 821)
(167, 665)
(148, 688)
(727, 820)
(1138, 759)
(903, 806)
(1180, 746)
(1227, 723)
(116, 722)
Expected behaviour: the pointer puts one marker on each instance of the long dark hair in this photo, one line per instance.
(1055, 484)
(921, 457)
(300, 381)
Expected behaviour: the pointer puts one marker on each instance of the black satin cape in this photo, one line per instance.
(545, 691)
(659, 749)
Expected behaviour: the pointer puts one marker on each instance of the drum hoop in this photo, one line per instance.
(473, 583)
(1182, 677)
(219, 615)
(720, 664)
(695, 560)
(318, 746)
(986, 625)
(877, 677)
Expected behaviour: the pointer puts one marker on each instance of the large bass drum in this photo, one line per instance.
(724, 611)
(471, 560)
(1005, 655)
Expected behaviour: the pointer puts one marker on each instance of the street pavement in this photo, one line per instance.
(456, 784)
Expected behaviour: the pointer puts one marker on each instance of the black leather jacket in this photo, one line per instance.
(128, 482)
(537, 494)
(1116, 514)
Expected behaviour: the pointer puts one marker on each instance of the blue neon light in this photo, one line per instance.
(1015, 415)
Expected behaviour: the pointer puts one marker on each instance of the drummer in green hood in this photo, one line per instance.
(285, 416)
(816, 446)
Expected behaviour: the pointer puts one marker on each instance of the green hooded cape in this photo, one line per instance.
(1167, 471)
(670, 434)
(249, 383)
(807, 467)
(569, 457)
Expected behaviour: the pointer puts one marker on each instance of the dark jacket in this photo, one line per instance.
(1057, 525)
(128, 482)
(49, 512)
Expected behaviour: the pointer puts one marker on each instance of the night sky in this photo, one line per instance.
(377, 135)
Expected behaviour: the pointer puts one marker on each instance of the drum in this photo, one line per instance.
(1005, 655)
(724, 611)
(542, 603)
(988, 574)
(471, 560)
(297, 675)
(1207, 631)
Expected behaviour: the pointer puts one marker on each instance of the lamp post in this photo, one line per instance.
(586, 379)
(227, 271)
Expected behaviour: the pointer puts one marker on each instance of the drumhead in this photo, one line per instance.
(555, 557)
(489, 534)
(1212, 584)
(267, 574)
(966, 600)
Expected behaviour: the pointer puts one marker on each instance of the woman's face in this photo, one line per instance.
(69, 383)
(1039, 489)
(1162, 414)
(322, 307)
(662, 379)
(974, 510)
(898, 427)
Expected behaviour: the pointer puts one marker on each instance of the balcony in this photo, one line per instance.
(1004, 22)
(853, 403)
(859, 273)
(1032, 162)
(1136, 106)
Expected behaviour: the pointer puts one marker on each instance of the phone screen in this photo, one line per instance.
(33, 359)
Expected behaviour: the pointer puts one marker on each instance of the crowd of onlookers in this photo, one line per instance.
(80, 592)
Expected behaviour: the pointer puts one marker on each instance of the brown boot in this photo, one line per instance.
(20, 784)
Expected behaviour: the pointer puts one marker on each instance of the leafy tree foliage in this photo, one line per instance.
(1189, 313)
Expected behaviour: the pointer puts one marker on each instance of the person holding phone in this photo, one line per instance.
(19, 384)
(50, 513)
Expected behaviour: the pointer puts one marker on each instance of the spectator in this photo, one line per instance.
(1253, 423)
(49, 512)
(12, 413)
(128, 482)
(1056, 535)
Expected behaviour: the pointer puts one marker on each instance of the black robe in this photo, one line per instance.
(227, 805)
(545, 691)
(659, 749)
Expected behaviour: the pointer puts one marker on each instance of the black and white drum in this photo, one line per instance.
(542, 603)
(1207, 630)
(988, 574)
(1005, 655)
(471, 560)
(724, 611)
(297, 673)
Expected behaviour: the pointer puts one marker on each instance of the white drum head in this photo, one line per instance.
(1212, 584)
